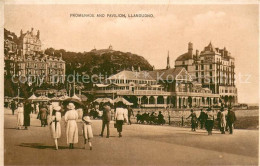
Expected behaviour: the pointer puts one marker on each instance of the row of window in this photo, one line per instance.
(202, 67)
(134, 81)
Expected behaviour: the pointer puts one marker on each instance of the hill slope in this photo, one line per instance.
(100, 61)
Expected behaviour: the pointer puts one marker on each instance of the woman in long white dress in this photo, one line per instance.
(55, 125)
(20, 116)
(71, 117)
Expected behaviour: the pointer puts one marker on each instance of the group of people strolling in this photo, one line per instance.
(51, 116)
(225, 118)
(23, 115)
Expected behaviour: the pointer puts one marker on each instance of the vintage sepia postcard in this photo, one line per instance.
(129, 83)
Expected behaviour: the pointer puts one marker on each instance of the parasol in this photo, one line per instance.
(118, 99)
(103, 100)
(73, 100)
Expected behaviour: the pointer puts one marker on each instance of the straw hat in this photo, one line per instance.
(57, 108)
(71, 106)
(87, 119)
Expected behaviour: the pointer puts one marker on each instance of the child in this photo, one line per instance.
(87, 129)
(55, 125)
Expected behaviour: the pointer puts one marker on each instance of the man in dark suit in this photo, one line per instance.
(13, 107)
(231, 118)
(202, 118)
(106, 118)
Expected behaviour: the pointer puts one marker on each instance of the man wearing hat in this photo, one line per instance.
(210, 121)
(231, 118)
(106, 118)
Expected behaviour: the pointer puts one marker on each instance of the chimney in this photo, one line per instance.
(197, 53)
(32, 31)
(38, 34)
(190, 49)
(21, 32)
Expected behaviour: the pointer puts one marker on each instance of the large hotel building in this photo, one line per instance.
(198, 80)
(24, 57)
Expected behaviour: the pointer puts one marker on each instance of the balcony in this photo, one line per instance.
(136, 92)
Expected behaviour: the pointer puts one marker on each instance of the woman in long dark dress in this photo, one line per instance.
(43, 114)
(27, 112)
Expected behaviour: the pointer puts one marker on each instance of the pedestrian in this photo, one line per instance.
(20, 116)
(43, 114)
(218, 118)
(106, 118)
(231, 118)
(71, 117)
(13, 107)
(49, 112)
(37, 108)
(202, 118)
(222, 121)
(130, 113)
(33, 108)
(120, 117)
(193, 117)
(138, 117)
(161, 120)
(87, 129)
(27, 112)
(55, 125)
(210, 121)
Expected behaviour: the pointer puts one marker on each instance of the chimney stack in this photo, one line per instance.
(190, 49)
(197, 53)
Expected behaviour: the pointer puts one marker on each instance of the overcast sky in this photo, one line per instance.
(171, 28)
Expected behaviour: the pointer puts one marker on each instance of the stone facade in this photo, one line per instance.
(29, 61)
(213, 68)
(29, 42)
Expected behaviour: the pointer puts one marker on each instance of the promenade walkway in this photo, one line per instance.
(140, 145)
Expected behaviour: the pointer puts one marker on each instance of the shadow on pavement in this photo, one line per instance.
(40, 146)
(10, 128)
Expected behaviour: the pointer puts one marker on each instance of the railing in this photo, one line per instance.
(136, 92)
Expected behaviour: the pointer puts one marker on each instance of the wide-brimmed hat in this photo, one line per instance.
(71, 106)
(57, 108)
(87, 119)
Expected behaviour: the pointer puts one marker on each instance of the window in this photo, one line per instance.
(197, 74)
(202, 73)
(210, 73)
(202, 67)
(197, 67)
(210, 66)
(183, 62)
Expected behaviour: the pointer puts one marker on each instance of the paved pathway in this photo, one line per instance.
(140, 145)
